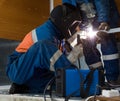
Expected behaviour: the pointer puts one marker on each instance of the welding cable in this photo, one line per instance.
(94, 97)
(90, 98)
(52, 80)
(79, 65)
(49, 83)
(107, 86)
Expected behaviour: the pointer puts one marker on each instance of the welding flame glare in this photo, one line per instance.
(88, 33)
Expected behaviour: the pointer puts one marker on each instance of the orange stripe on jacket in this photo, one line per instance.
(26, 43)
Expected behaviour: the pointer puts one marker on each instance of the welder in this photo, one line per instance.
(101, 15)
(33, 63)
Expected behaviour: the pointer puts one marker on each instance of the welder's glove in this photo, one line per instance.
(88, 46)
(103, 36)
(88, 42)
(75, 53)
(103, 26)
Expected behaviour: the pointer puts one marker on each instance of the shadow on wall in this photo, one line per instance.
(6, 48)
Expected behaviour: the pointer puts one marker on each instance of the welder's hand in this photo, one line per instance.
(103, 36)
(103, 26)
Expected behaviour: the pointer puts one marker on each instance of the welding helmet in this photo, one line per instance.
(66, 18)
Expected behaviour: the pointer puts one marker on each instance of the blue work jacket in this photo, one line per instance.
(106, 10)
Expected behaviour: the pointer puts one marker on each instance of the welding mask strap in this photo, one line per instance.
(73, 93)
(88, 81)
(84, 92)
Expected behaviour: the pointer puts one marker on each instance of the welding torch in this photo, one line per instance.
(90, 33)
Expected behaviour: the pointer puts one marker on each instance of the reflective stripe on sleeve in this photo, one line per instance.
(95, 65)
(34, 36)
(54, 58)
(110, 57)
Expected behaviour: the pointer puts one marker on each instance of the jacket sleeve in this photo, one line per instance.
(103, 10)
(72, 2)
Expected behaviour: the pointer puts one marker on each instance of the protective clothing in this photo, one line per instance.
(103, 36)
(34, 61)
(103, 26)
(33, 65)
(106, 11)
(75, 53)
